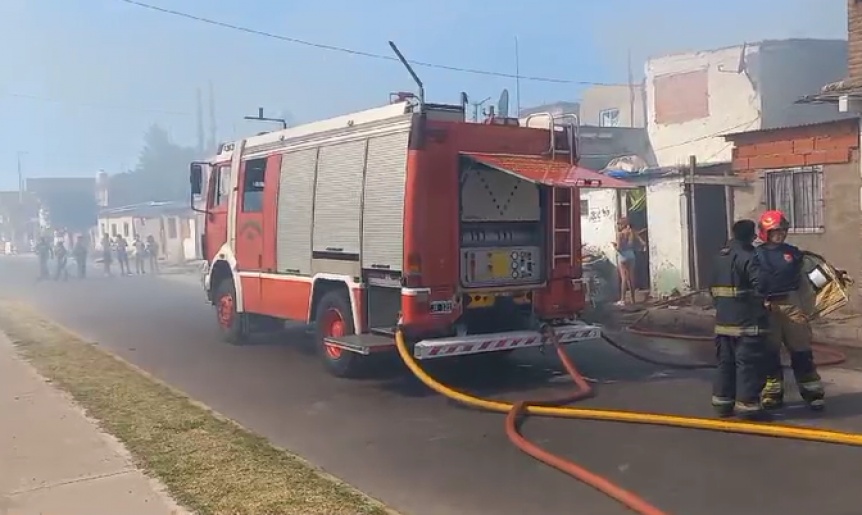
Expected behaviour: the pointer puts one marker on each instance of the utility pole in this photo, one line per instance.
(199, 113)
(692, 220)
(20, 213)
(213, 137)
(631, 89)
(517, 79)
(20, 177)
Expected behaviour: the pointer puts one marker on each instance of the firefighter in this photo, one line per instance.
(780, 266)
(45, 253)
(741, 321)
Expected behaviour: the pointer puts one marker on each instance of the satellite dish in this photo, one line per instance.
(503, 105)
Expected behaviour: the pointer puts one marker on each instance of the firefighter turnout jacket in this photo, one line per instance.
(739, 309)
(780, 267)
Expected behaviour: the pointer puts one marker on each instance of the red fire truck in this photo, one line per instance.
(464, 235)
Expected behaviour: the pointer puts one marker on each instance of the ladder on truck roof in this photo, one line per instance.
(567, 126)
(562, 216)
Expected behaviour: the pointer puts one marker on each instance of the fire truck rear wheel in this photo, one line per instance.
(234, 326)
(334, 318)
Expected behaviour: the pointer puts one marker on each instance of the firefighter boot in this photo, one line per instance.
(812, 392)
(753, 412)
(808, 380)
(723, 406)
(772, 396)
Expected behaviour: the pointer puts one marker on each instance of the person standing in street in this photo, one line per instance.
(122, 248)
(140, 254)
(627, 240)
(62, 257)
(44, 252)
(79, 254)
(107, 255)
(153, 254)
(781, 276)
(741, 322)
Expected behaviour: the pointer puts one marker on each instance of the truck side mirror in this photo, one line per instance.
(196, 178)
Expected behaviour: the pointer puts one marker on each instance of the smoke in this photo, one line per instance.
(650, 29)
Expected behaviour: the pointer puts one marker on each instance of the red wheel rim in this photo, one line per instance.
(333, 326)
(225, 311)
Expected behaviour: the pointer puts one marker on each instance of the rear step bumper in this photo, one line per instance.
(432, 348)
(479, 343)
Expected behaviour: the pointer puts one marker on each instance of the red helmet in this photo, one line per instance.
(769, 221)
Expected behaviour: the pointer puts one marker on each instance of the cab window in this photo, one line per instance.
(252, 186)
(222, 185)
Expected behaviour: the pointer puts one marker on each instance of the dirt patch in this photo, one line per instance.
(208, 463)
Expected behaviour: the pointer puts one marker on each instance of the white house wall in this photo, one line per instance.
(733, 104)
(598, 220)
(668, 227)
(172, 250)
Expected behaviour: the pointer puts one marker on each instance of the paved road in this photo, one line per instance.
(394, 439)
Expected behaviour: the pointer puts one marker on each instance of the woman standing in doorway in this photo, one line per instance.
(627, 240)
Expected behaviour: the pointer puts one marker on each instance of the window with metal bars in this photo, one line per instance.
(798, 192)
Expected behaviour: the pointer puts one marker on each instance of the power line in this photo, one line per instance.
(94, 106)
(360, 53)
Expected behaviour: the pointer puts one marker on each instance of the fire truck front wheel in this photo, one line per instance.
(334, 318)
(233, 325)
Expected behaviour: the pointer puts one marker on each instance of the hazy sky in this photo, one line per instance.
(83, 79)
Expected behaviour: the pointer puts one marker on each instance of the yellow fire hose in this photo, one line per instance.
(628, 417)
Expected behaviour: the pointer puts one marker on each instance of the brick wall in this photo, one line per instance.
(819, 144)
(854, 38)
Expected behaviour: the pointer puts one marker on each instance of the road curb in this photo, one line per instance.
(204, 407)
(7, 345)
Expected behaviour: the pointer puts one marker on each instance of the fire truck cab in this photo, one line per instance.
(466, 236)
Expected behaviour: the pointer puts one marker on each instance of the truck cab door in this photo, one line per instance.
(249, 230)
(216, 224)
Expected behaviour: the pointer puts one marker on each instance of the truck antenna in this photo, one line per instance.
(261, 118)
(416, 78)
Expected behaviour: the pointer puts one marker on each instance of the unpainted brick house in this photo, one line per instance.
(812, 173)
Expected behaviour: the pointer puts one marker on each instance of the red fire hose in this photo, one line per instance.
(515, 413)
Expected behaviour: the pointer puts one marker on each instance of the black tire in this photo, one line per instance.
(233, 326)
(338, 362)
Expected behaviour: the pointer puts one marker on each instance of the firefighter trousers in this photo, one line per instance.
(741, 372)
(789, 327)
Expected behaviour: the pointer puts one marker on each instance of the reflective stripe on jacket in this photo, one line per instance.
(739, 310)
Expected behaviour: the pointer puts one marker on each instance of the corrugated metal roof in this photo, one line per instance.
(541, 170)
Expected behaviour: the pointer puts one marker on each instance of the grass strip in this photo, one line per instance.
(209, 464)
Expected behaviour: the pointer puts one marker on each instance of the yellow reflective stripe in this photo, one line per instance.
(735, 330)
(728, 291)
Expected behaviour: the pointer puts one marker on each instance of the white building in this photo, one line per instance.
(172, 224)
(662, 206)
(694, 98)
